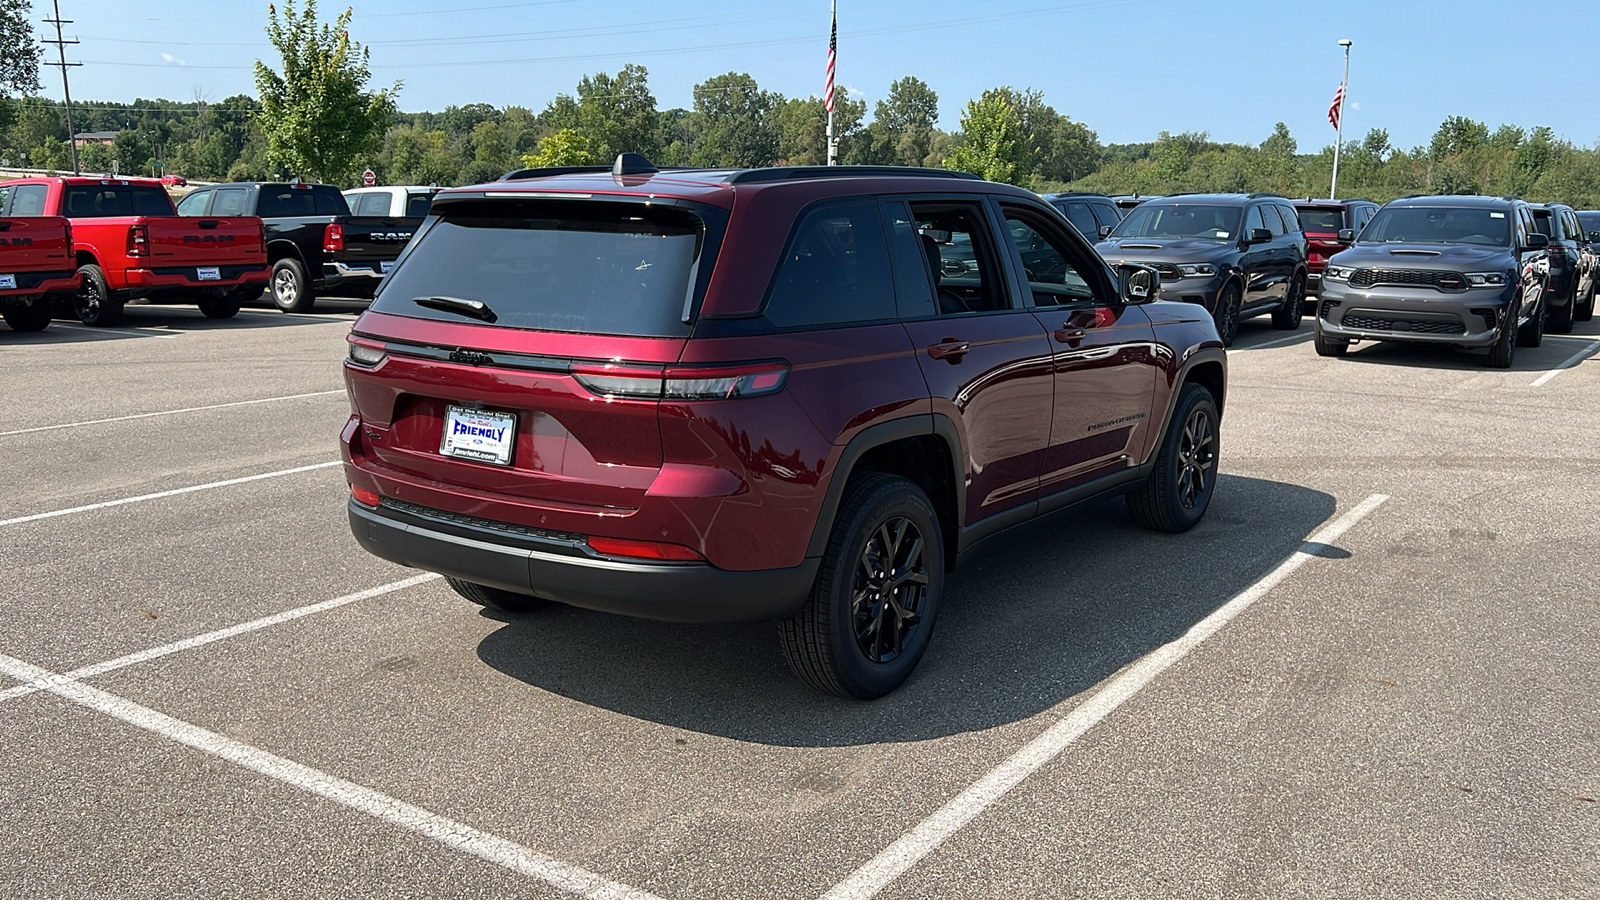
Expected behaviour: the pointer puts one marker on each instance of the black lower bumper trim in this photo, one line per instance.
(668, 592)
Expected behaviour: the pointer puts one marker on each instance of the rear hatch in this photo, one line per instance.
(1321, 225)
(33, 244)
(524, 346)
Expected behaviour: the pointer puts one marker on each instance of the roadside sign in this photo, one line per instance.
(368, 178)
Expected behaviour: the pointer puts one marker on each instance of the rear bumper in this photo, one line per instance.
(174, 279)
(30, 283)
(674, 592)
(1465, 319)
(362, 277)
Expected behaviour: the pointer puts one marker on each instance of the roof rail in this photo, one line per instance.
(547, 171)
(787, 173)
(1260, 194)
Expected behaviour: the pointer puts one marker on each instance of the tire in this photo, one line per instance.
(250, 294)
(1226, 314)
(1504, 349)
(290, 287)
(1327, 346)
(495, 598)
(1176, 495)
(835, 643)
(1532, 334)
(224, 307)
(95, 303)
(1586, 311)
(35, 316)
(1287, 317)
(1561, 317)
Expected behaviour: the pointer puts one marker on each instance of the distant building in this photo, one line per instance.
(94, 137)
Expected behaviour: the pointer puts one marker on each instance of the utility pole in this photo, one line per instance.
(1338, 142)
(66, 91)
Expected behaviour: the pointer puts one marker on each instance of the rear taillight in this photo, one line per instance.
(364, 496)
(728, 382)
(364, 352)
(138, 240)
(333, 238)
(640, 549)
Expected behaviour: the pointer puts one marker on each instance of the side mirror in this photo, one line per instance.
(1594, 237)
(1537, 241)
(1347, 236)
(1258, 236)
(1138, 284)
(1105, 232)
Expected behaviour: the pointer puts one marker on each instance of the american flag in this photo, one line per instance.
(833, 56)
(1337, 109)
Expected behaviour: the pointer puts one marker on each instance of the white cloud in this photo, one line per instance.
(169, 59)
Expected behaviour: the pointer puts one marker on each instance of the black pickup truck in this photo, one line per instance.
(314, 244)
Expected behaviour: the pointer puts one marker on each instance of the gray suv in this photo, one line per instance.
(1466, 271)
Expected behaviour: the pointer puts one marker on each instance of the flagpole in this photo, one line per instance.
(833, 55)
(1338, 146)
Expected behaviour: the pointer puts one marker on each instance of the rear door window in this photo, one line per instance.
(960, 256)
(28, 199)
(594, 267)
(1291, 221)
(1107, 214)
(1081, 217)
(836, 270)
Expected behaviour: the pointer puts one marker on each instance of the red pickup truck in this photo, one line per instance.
(36, 259)
(130, 243)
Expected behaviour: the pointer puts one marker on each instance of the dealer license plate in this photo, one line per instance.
(209, 273)
(385, 266)
(478, 435)
(8, 282)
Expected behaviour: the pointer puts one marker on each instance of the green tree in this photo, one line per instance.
(992, 138)
(733, 122)
(19, 49)
(1457, 135)
(318, 117)
(905, 119)
(567, 147)
(803, 129)
(618, 114)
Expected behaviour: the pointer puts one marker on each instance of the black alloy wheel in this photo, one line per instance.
(891, 587)
(1585, 311)
(1178, 492)
(1562, 317)
(95, 303)
(1287, 317)
(1532, 334)
(1197, 457)
(1327, 346)
(1504, 349)
(1227, 314)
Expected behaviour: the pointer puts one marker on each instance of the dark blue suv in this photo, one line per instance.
(1466, 271)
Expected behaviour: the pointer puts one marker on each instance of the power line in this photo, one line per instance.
(66, 91)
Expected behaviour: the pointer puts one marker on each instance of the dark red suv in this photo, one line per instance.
(1322, 220)
(793, 394)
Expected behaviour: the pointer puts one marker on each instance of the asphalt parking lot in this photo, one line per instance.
(1372, 671)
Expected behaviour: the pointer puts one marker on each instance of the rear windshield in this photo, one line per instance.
(594, 268)
(299, 200)
(1180, 220)
(417, 204)
(1439, 225)
(98, 201)
(1321, 219)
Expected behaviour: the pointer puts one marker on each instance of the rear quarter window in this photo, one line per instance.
(835, 271)
(582, 267)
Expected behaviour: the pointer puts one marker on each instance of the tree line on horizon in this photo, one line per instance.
(315, 118)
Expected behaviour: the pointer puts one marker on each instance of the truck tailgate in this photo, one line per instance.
(370, 239)
(181, 241)
(34, 244)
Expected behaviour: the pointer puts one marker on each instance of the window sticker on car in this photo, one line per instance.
(1222, 234)
(1497, 215)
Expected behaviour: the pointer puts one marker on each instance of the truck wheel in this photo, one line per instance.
(1227, 314)
(495, 598)
(95, 303)
(1327, 346)
(1175, 496)
(1561, 317)
(224, 307)
(1287, 317)
(870, 614)
(291, 289)
(1505, 346)
(33, 317)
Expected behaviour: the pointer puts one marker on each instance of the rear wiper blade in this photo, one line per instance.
(476, 309)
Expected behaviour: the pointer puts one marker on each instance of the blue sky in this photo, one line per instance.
(1127, 68)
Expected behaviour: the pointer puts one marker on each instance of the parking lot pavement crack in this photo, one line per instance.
(405, 816)
(927, 836)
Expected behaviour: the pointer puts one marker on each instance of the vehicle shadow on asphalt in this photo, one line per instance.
(141, 321)
(1035, 618)
(1552, 354)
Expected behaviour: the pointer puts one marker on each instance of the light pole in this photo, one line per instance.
(1338, 144)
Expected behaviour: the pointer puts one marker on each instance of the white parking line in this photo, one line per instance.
(172, 493)
(1285, 340)
(455, 835)
(1571, 361)
(211, 637)
(933, 831)
(99, 330)
(169, 412)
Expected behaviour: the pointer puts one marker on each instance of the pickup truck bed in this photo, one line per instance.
(36, 258)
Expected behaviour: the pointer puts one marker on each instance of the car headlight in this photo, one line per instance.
(1486, 279)
(1201, 269)
(1338, 273)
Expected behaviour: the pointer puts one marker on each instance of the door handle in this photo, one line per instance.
(949, 349)
(1070, 335)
